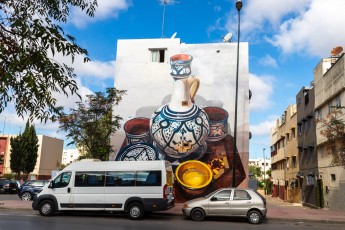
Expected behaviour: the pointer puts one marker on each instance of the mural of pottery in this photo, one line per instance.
(194, 176)
(218, 118)
(180, 127)
(138, 152)
(137, 130)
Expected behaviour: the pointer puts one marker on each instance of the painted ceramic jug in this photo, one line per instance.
(180, 127)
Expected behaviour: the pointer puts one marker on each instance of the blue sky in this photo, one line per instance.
(287, 39)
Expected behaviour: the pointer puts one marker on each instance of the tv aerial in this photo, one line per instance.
(227, 37)
(165, 2)
(336, 51)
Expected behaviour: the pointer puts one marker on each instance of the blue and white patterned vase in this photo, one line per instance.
(180, 127)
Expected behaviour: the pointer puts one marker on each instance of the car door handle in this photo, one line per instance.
(227, 203)
(68, 190)
(248, 202)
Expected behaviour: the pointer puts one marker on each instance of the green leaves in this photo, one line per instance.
(93, 122)
(24, 150)
(29, 31)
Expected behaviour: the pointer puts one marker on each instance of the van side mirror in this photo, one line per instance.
(51, 184)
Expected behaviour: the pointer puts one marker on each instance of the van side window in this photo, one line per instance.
(62, 180)
(89, 179)
(120, 179)
(149, 178)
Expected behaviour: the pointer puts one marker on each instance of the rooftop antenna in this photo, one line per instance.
(227, 37)
(165, 2)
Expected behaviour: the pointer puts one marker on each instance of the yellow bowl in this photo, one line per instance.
(193, 174)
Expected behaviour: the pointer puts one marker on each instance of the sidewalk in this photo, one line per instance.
(277, 210)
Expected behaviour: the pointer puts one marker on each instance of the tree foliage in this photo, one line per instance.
(24, 150)
(334, 132)
(29, 35)
(91, 124)
(255, 170)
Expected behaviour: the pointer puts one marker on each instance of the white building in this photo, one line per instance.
(143, 69)
(264, 164)
(69, 156)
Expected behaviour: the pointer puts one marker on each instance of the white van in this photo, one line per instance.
(134, 187)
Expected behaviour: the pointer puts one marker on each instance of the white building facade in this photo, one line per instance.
(143, 69)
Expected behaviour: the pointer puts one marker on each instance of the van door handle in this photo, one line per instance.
(68, 190)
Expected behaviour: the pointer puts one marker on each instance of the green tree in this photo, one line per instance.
(17, 160)
(255, 170)
(24, 150)
(91, 124)
(30, 148)
(30, 36)
(334, 132)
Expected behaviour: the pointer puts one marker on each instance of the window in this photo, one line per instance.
(293, 133)
(330, 107)
(306, 98)
(318, 114)
(157, 55)
(294, 162)
(62, 180)
(148, 178)
(338, 102)
(241, 195)
(333, 178)
(89, 179)
(310, 180)
(120, 179)
(299, 129)
(222, 196)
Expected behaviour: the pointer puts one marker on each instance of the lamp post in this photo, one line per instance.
(264, 164)
(238, 7)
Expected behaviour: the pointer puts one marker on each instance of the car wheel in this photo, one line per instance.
(46, 208)
(254, 217)
(197, 214)
(135, 211)
(26, 196)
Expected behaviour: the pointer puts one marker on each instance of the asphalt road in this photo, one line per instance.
(27, 219)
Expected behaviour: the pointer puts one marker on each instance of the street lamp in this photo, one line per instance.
(238, 7)
(264, 164)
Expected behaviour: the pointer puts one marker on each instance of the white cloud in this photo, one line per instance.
(269, 61)
(262, 15)
(262, 90)
(106, 9)
(316, 32)
(262, 129)
(92, 69)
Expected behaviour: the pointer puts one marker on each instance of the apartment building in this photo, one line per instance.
(329, 83)
(308, 164)
(48, 159)
(284, 156)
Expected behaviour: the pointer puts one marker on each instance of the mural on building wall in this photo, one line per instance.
(195, 140)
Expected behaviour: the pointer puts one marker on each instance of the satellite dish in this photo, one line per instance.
(227, 37)
(174, 35)
(336, 51)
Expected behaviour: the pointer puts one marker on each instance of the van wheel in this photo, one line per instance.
(46, 208)
(135, 211)
(197, 214)
(254, 217)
